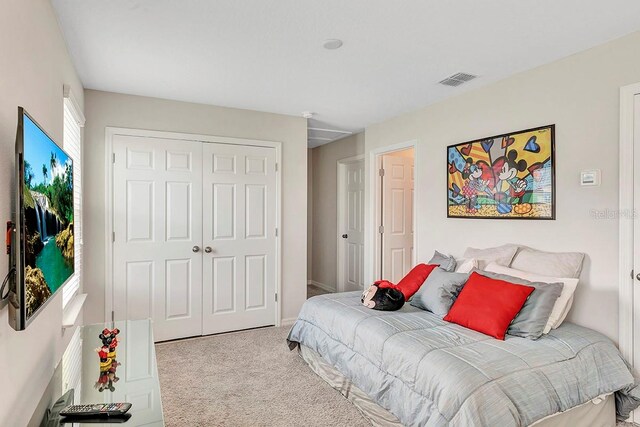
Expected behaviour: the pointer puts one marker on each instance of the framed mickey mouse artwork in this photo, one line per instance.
(508, 176)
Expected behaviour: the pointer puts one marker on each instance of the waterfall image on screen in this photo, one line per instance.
(48, 215)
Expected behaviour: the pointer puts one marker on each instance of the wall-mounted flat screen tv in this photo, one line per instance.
(43, 248)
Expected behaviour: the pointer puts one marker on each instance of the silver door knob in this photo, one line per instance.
(196, 249)
(208, 249)
(638, 276)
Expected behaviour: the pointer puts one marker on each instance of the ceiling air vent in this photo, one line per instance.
(457, 79)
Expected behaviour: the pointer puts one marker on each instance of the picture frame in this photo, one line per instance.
(505, 176)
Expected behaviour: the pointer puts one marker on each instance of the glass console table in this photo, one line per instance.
(135, 379)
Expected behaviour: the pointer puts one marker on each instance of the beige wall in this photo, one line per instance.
(34, 66)
(580, 94)
(109, 109)
(325, 214)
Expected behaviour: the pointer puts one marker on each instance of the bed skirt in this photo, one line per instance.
(599, 412)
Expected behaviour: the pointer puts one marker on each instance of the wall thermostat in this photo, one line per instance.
(590, 178)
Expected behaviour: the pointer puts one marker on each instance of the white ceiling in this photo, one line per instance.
(267, 55)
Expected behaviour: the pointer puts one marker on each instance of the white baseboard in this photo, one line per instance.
(322, 286)
(288, 322)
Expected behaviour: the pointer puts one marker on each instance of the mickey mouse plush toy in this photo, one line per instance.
(384, 295)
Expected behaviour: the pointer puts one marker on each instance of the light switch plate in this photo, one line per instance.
(590, 178)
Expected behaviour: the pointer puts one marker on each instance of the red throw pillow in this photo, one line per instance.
(488, 305)
(410, 283)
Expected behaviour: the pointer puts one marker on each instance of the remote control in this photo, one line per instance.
(97, 409)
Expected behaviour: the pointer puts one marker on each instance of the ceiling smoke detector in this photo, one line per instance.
(457, 79)
(332, 44)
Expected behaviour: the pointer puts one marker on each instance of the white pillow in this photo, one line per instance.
(563, 303)
(501, 255)
(566, 312)
(465, 265)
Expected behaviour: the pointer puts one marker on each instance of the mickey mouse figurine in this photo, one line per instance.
(108, 363)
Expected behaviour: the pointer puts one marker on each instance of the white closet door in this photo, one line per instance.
(239, 226)
(158, 223)
(397, 217)
(352, 228)
(636, 241)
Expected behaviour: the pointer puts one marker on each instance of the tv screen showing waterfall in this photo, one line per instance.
(45, 260)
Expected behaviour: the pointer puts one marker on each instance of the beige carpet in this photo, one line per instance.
(313, 290)
(246, 379)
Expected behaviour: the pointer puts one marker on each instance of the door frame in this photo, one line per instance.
(341, 168)
(372, 248)
(626, 305)
(111, 132)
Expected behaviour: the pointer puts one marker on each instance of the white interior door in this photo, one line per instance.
(351, 227)
(157, 202)
(239, 217)
(636, 242)
(397, 217)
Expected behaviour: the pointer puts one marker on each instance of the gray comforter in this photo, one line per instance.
(428, 372)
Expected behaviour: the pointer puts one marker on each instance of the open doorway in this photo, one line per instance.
(394, 201)
(336, 209)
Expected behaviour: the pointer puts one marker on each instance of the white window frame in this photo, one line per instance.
(72, 143)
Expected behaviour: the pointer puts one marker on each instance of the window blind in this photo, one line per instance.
(72, 143)
(72, 367)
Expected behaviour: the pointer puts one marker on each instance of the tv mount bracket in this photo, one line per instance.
(8, 238)
(4, 294)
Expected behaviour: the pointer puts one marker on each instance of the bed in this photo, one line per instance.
(409, 367)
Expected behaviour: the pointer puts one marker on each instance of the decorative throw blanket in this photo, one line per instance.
(428, 372)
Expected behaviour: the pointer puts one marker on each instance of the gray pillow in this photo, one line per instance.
(501, 255)
(533, 317)
(439, 291)
(555, 264)
(446, 262)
